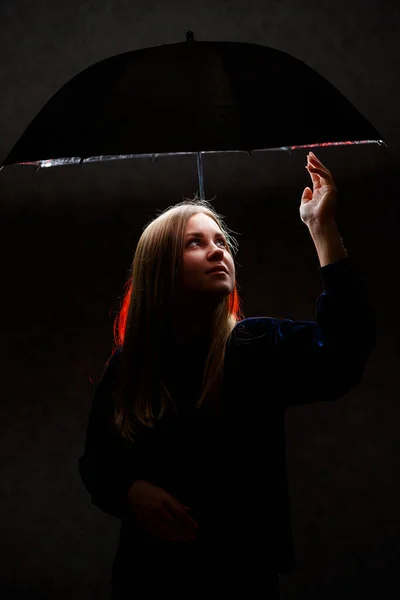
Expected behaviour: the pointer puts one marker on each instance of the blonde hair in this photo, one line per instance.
(141, 396)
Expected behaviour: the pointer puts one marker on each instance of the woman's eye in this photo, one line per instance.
(198, 240)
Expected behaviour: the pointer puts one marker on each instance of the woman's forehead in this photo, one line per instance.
(202, 221)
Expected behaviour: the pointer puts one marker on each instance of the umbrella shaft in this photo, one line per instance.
(200, 175)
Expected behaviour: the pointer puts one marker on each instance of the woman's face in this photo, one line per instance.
(205, 248)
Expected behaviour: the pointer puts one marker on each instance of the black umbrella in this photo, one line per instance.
(190, 97)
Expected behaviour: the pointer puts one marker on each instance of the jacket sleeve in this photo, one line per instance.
(324, 359)
(106, 466)
(313, 361)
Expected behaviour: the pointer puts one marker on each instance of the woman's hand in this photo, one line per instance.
(319, 204)
(160, 513)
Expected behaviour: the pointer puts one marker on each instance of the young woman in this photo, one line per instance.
(185, 442)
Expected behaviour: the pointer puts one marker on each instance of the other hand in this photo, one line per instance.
(160, 513)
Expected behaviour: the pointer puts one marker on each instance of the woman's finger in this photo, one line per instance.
(315, 163)
(316, 160)
(170, 532)
(181, 515)
(176, 524)
(321, 172)
(315, 179)
(165, 531)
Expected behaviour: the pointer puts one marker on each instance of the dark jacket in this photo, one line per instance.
(231, 470)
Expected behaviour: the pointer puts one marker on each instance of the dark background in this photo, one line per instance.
(67, 240)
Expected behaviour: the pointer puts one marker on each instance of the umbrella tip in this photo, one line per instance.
(190, 36)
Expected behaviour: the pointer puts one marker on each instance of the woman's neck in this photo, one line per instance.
(185, 333)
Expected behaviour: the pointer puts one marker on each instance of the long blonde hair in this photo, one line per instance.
(141, 396)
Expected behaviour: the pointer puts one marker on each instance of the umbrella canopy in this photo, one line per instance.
(190, 97)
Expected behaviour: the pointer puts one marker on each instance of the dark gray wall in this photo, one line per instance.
(68, 236)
